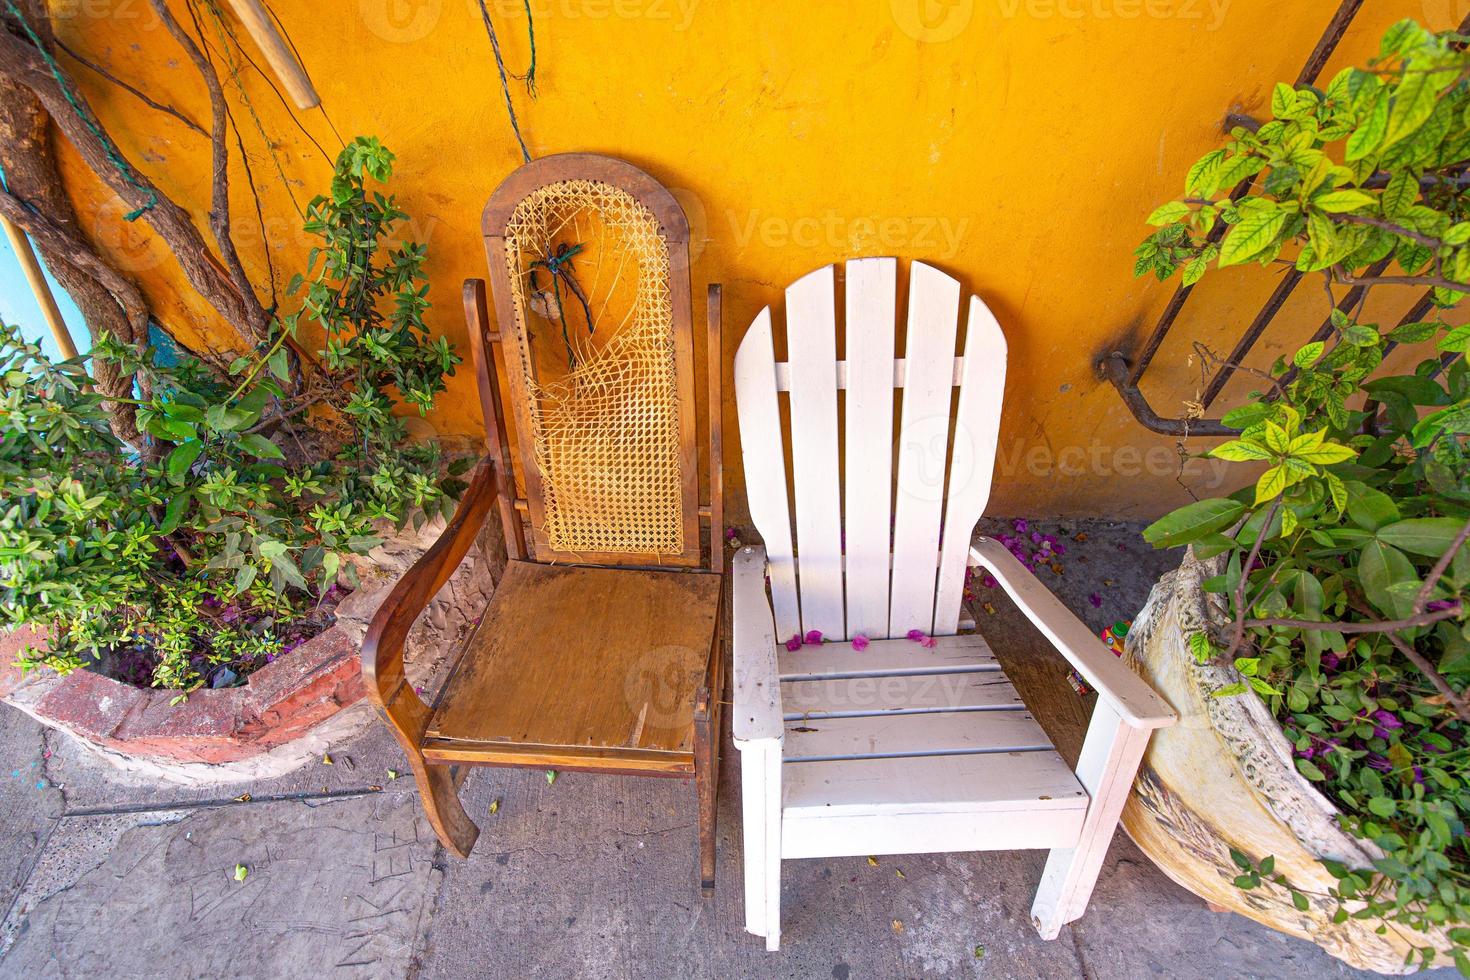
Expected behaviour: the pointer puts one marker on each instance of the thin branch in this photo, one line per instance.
(130, 89)
(1427, 669)
(1245, 573)
(1343, 276)
(1388, 626)
(1435, 573)
(1397, 229)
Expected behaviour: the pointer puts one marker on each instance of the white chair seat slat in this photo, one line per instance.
(936, 783)
(976, 690)
(912, 735)
(871, 313)
(887, 657)
(811, 324)
(934, 302)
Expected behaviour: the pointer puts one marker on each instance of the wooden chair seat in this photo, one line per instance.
(907, 749)
(580, 667)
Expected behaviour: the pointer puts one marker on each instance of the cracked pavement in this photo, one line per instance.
(592, 876)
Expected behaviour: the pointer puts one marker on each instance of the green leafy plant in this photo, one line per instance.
(209, 548)
(1344, 595)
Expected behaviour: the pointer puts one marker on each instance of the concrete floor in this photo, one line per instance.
(590, 876)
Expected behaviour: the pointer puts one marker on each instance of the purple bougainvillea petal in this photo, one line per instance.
(1096, 600)
(860, 643)
(915, 635)
(794, 644)
(813, 637)
(929, 642)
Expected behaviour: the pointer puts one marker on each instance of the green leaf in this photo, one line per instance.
(1400, 194)
(1238, 450)
(174, 512)
(1326, 454)
(1272, 484)
(172, 430)
(1339, 202)
(1457, 340)
(182, 457)
(1167, 214)
(1422, 535)
(1252, 235)
(1370, 132)
(1229, 691)
(259, 446)
(1193, 521)
(1309, 769)
(244, 577)
(1200, 646)
(1308, 355)
(1202, 178)
(1368, 508)
(271, 548)
(1283, 100)
(1414, 333)
(240, 872)
(1413, 101)
(1380, 567)
(279, 363)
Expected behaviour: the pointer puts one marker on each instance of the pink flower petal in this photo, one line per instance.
(916, 635)
(860, 643)
(794, 644)
(929, 642)
(813, 637)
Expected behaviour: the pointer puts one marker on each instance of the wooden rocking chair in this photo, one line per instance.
(599, 658)
(909, 745)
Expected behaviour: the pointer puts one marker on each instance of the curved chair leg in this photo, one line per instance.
(439, 791)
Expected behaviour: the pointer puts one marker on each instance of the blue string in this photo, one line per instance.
(113, 155)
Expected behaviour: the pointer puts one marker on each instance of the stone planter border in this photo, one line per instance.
(278, 704)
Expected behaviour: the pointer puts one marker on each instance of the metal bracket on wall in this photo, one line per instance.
(1125, 375)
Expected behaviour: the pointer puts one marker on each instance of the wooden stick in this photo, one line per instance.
(280, 57)
(32, 268)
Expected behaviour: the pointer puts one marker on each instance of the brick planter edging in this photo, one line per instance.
(278, 703)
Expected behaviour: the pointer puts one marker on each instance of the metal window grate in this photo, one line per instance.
(1126, 375)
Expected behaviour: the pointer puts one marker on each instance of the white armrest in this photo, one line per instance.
(1130, 695)
(757, 705)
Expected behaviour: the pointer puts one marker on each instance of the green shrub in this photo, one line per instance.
(1359, 517)
(206, 550)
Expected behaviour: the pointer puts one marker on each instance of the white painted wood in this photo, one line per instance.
(1110, 757)
(949, 653)
(1022, 783)
(762, 450)
(940, 733)
(900, 371)
(934, 300)
(1130, 695)
(760, 793)
(811, 346)
(972, 457)
(929, 833)
(870, 311)
(987, 690)
(756, 705)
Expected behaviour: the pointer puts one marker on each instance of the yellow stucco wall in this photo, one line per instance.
(1014, 143)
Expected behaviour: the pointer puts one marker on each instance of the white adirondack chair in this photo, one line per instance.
(901, 748)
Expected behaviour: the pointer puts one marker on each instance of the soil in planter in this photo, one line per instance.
(136, 664)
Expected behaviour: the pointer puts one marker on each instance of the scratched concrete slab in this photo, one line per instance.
(341, 887)
(29, 802)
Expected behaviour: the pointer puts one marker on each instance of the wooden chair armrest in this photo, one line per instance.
(382, 647)
(757, 700)
(1130, 695)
